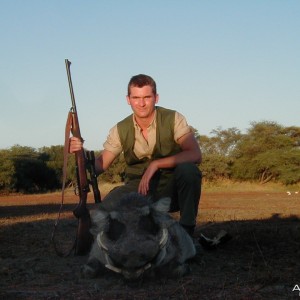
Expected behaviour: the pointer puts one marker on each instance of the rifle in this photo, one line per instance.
(84, 238)
(85, 160)
(90, 157)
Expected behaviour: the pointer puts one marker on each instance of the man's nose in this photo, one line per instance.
(142, 102)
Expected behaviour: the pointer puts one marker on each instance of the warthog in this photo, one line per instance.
(134, 235)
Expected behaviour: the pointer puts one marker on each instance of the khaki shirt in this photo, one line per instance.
(142, 147)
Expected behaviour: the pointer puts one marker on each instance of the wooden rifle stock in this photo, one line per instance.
(84, 237)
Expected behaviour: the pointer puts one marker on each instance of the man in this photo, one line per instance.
(160, 151)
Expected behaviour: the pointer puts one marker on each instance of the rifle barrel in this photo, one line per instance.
(68, 64)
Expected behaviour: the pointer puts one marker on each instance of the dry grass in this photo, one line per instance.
(260, 262)
(234, 186)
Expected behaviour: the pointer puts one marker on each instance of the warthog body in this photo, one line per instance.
(134, 236)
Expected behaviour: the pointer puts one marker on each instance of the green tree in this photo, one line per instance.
(217, 153)
(31, 171)
(54, 158)
(267, 152)
(115, 172)
(7, 171)
(23, 169)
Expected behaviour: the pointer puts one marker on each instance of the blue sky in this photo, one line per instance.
(220, 63)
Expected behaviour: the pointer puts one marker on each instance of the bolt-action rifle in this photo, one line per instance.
(85, 161)
(83, 238)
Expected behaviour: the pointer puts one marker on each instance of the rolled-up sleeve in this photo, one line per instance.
(181, 126)
(113, 143)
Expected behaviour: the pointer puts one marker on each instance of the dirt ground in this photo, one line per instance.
(261, 261)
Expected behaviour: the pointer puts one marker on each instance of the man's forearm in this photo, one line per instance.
(182, 157)
(98, 168)
(103, 161)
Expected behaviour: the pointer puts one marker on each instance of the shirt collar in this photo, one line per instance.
(152, 124)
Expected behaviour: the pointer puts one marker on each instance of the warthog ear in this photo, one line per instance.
(162, 205)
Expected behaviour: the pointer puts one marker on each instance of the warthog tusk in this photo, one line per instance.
(109, 263)
(136, 273)
(99, 241)
(164, 238)
(113, 268)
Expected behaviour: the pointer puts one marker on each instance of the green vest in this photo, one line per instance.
(165, 144)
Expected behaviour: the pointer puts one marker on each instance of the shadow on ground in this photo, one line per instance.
(261, 261)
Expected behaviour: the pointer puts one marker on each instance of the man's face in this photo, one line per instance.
(142, 101)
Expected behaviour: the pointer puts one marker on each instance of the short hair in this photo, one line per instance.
(140, 81)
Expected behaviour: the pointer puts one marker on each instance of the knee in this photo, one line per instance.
(189, 172)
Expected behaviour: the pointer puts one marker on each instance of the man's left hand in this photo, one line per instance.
(144, 183)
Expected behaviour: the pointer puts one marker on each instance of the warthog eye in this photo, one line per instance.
(115, 230)
(147, 224)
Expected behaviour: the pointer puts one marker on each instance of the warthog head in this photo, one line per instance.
(133, 234)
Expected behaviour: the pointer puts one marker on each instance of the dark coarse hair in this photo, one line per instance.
(140, 81)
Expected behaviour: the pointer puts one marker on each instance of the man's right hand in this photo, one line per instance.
(75, 144)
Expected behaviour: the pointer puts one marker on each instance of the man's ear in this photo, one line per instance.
(128, 100)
